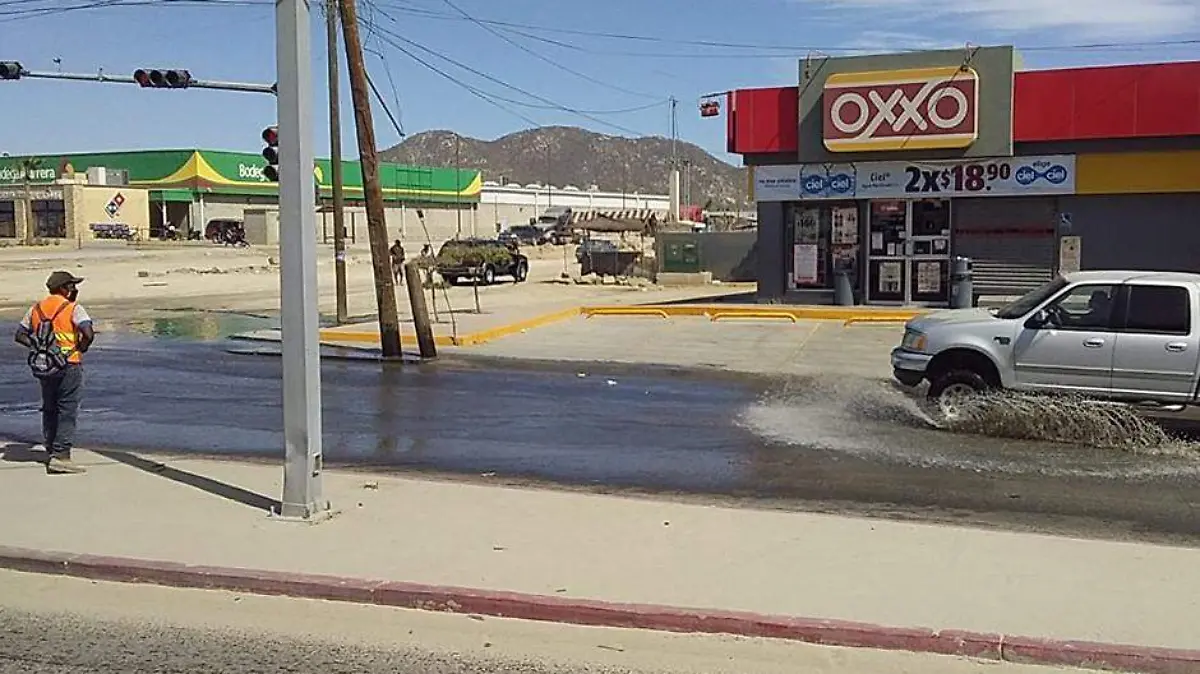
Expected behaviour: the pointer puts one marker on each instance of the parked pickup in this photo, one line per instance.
(1124, 336)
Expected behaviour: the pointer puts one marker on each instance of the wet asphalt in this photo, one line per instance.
(820, 445)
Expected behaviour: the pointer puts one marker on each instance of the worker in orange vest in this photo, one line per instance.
(58, 331)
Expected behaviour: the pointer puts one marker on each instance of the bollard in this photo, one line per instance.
(961, 286)
(843, 289)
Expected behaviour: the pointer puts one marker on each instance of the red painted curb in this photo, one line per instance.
(1089, 655)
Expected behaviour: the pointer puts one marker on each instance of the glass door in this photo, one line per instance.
(887, 234)
(929, 252)
(908, 254)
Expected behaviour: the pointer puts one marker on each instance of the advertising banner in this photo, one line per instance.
(1001, 177)
(777, 183)
(1005, 177)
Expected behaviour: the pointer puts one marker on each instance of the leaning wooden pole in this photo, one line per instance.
(385, 285)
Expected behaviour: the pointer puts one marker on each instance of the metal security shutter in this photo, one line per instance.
(1011, 241)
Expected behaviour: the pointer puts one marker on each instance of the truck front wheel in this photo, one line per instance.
(950, 389)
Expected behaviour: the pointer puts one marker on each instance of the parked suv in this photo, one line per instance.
(480, 259)
(1126, 336)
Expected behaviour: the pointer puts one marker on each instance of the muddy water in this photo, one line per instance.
(1005, 434)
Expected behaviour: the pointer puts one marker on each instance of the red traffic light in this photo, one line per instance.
(162, 79)
(270, 136)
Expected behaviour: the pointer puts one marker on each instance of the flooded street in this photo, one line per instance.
(828, 445)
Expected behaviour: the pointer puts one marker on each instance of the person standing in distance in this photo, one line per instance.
(58, 331)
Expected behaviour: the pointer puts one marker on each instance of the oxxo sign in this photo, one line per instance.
(917, 109)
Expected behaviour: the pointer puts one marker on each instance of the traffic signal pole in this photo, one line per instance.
(335, 162)
(302, 474)
(249, 87)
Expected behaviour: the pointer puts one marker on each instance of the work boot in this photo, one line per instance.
(63, 465)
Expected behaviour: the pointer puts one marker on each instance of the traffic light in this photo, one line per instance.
(10, 70)
(162, 79)
(270, 136)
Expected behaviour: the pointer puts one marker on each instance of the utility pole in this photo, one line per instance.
(385, 286)
(335, 162)
(673, 177)
(302, 473)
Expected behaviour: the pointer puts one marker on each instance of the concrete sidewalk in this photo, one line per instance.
(572, 548)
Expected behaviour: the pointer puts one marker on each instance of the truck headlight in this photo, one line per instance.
(913, 341)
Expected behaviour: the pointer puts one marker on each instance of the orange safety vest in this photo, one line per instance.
(64, 324)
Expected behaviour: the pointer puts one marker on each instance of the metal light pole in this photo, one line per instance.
(302, 493)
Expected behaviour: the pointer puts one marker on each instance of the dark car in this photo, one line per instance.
(525, 235)
(482, 260)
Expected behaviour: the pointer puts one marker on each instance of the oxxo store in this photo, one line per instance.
(893, 165)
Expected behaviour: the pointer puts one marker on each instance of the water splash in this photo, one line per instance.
(1005, 433)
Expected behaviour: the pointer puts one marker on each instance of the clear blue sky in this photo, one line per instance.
(235, 42)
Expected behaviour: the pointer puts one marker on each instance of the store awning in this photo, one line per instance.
(172, 196)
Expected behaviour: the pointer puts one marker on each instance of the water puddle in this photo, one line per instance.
(206, 326)
(1008, 433)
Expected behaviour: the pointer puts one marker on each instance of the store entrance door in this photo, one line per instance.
(908, 252)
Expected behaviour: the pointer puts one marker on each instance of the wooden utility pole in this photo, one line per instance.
(335, 161)
(385, 285)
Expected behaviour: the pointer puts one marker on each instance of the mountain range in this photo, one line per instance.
(564, 155)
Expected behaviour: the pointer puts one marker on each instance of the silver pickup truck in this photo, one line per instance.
(1124, 336)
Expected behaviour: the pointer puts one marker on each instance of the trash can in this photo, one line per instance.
(962, 289)
(843, 289)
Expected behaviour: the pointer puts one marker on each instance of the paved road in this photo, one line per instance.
(810, 444)
(54, 625)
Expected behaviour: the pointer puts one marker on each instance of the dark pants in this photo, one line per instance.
(60, 409)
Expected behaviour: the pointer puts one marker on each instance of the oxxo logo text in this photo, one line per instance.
(922, 108)
(247, 172)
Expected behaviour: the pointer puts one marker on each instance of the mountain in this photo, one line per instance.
(563, 155)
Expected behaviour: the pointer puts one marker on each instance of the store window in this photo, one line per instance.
(8, 219)
(824, 239)
(50, 219)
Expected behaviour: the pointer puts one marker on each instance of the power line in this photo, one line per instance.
(516, 27)
(554, 104)
(543, 58)
(471, 89)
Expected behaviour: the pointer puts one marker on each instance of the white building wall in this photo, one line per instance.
(518, 204)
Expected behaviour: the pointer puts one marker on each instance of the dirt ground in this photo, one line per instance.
(125, 282)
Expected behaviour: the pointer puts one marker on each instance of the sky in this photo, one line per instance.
(608, 66)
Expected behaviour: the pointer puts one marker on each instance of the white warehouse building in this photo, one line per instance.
(513, 204)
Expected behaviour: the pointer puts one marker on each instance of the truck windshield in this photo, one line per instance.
(1026, 303)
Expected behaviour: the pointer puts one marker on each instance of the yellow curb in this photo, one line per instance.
(484, 336)
(473, 339)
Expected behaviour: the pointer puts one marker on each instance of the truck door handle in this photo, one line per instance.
(1093, 343)
(1177, 346)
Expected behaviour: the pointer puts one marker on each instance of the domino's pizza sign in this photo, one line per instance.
(114, 205)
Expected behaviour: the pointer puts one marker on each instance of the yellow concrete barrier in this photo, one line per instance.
(722, 315)
(877, 319)
(796, 313)
(588, 312)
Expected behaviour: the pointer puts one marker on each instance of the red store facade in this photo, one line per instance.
(889, 166)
